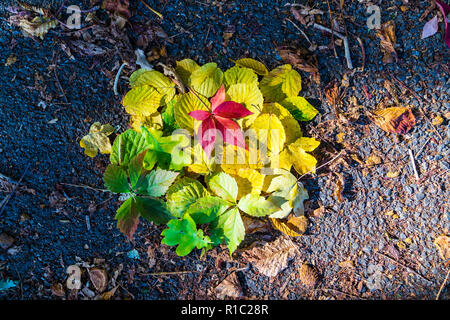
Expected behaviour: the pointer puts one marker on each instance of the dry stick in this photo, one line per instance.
(301, 31)
(116, 80)
(332, 31)
(84, 186)
(60, 87)
(344, 293)
(344, 38)
(411, 157)
(322, 165)
(420, 109)
(152, 10)
(404, 266)
(169, 273)
(363, 52)
(442, 285)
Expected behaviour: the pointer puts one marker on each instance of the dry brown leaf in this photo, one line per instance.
(443, 245)
(11, 60)
(57, 290)
(38, 26)
(319, 212)
(347, 264)
(270, 258)
(253, 225)
(119, 7)
(340, 183)
(6, 241)
(107, 295)
(301, 59)
(387, 41)
(293, 227)
(99, 279)
(395, 119)
(308, 275)
(229, 287)
(373, 160)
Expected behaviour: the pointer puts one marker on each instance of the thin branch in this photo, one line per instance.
(322, 165)
(116, 80)
(301, 31)
(11, 194)
(442, 285)
(84, 187)
(413, 164)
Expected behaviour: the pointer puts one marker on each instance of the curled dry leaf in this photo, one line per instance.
(107, 295)
(57, 290)
(229, 287)
(253, 225)
(308, 275)
(443, 245)
(293, 227)
(445, 9)
(270, 258)
(301, 59)
(119, 7)
(99, 279)
(395, 119)
(387, 41)
(430, 28)
(340, 183)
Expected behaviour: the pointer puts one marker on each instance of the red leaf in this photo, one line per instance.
(218, 98)
(207, 135)
(231, 132)
(129, 223)
(232, 110)
(199, 115)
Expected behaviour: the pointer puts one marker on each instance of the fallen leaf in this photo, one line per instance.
(443, 245)
(391, 174)
(270, 258)
(308, 275)
(229, 287)
(57, 290)
(117, 7)
(301, 59)
(395, 119)
(445, 9)
(387, 41)
(319, 212)
(430, 28)
(340, 183)
(6, 241)
(107, 295)
(99, 279)
(347, 264)
(373, 160)
(438, 120)
(293, 227)
(253, 225)
(97, 139)
(11, 60)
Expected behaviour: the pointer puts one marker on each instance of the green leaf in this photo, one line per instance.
(237, 74)
(185, 68)
(224, 186)
(158, 181)
(154, 210)
(207, 209)
(230, 228)
(143, 100)
(184, 234)
(182, 194)
(127, 146)
(257, 206)
(135, 171)
(207, 79)
(168, 117)
(127, 217)
(300, 108)
(186, 103)
(115, 179)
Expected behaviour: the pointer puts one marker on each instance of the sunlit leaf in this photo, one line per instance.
(237, 75)
(257, 206)
(185, 68)
(143, 100)
(97, 139)
(187, 103)
(182, 194)
(156, 80)
(224, 186)
(256, 66)
(300, 108)
(207, 79)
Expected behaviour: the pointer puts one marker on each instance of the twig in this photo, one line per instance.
(152, 10)
(423, 147)
(116, 80)
(332, 31)
(84, 186)
(411, 157)
(443, 285)
(322, 165)
(344, 293)
(344, 38)
(60, 87)
(363, 53)
(301, 31)
(404, 266)
(11, 194)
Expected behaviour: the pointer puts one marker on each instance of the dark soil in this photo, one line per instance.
(48, 102)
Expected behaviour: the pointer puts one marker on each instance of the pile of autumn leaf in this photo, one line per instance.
(203, 202)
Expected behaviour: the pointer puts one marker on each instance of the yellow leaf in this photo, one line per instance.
(248, 95)
(39, 26)
(303, 162)
(156, 80)
(373, 160)
(281, 83)
(207, 79)
(201, 163)
(300, 108)
(290, 125)
(269, 133)
(237, 74)
(97, 139)
(143, 100)
(294, 227)
(185, 68)
(391, 174)
(11, 60)
(443, 245)
(234, 158)
(438, 120)
(152, 121)
(248, 181)
(186, 103)
(256, 66)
